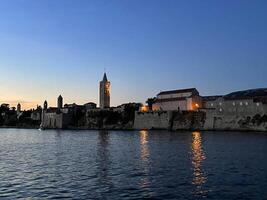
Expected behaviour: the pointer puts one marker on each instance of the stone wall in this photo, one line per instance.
(206, 119)
(188, 120)
(109, 119)
(171, 120)
(56, 120)
(152, 120)
(199, 120)
(257, 122)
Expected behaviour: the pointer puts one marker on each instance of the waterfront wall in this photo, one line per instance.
(108, 119)
(199, 120)
(169, 120)
(257, 122)
(56, 120)
(152, 120)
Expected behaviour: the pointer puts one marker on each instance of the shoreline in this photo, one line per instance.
(132, 129)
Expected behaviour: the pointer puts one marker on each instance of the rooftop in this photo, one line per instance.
(193, 90)
(105, 79)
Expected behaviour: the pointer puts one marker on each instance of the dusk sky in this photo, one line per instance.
(52, 47)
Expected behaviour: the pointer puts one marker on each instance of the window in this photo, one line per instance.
(233, 103)
(220, 110)
(241, 103)
(211, 104)
(220, 103)
(246, 103)
(258, 104)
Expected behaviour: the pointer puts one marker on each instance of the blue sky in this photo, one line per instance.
(52, 47)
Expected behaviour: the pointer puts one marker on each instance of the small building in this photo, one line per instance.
(240, 103)
(182, 99)
(56, 117)
(90, 105)
(36, 114)
(209, 102)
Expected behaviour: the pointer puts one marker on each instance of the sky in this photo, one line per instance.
(53, 47)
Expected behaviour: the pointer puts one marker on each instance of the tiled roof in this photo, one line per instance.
(193, 90)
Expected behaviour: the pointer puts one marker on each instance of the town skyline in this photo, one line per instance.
(52, 48)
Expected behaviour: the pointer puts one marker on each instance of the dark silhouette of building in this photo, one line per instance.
(59, 102)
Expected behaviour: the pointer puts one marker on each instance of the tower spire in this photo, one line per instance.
(105, 77)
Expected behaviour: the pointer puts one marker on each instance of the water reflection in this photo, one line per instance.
(103, 160)
(198, 156)
(145, 183)
(144, 146)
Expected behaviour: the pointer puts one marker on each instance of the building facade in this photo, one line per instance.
(104, 93)
(241, 103)
(55, 117)
(183, 100)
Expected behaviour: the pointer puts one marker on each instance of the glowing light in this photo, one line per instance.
(197, 158)
(144, 109)
(145, 183)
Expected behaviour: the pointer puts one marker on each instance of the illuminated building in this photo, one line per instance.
(183, 99)
(104, 93)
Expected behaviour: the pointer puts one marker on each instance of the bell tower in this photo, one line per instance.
(104, 93)
(59, 102)
(45, 105)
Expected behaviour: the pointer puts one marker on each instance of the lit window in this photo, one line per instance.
(246, 103)
(220, 110)
(220, 103)
(211, 104)
(233, 103)
(258, 104)
(241, 103)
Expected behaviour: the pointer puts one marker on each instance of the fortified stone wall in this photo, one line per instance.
(56, 120)
(152, 120)
(109, 119)
(257, 122)
(188, 120)
(199, 120)
(172, 120)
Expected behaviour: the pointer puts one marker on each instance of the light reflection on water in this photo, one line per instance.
(145, 183)
(103, 161)
(132, 165)
(144, 147)
(198, 156)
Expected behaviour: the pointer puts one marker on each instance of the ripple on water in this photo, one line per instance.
(132, 165)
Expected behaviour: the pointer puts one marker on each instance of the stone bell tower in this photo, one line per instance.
(45, 105)
(104, 93)
(59, 102)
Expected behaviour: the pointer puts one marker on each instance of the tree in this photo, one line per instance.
(150, 102)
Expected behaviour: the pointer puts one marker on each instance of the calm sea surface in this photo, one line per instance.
(132, 165)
